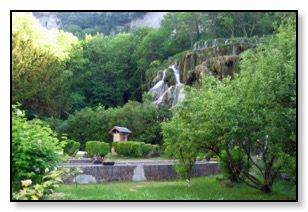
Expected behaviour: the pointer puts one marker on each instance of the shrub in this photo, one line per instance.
(71, 147)
(44, 190)
(130, 149)
(119, 148)
(146, 149)
(34, 149)
(155, 151)
(126, 148)
(97, 148)
(115, 145)
(136, 149)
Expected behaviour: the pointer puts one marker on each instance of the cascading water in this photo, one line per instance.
(162, 94)
(160, 87)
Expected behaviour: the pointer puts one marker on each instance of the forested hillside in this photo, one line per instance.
(59, 75)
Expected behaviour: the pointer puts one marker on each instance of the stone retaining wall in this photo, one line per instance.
(137, 172)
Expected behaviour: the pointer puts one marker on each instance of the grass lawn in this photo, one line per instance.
(202, 188)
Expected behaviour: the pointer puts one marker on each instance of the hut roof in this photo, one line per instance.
(120, 129)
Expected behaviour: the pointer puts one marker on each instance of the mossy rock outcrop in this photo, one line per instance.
(170, 78)
(220, 61)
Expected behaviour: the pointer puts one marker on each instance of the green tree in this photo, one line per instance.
(255, 110)
(177, 144)
(39, 78)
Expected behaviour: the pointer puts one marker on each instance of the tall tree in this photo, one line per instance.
(39, 78)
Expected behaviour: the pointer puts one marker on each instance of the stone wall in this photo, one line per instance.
(137, 172)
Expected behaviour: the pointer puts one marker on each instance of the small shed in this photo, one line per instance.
(120, 133)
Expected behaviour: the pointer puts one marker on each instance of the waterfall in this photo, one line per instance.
(162, 94)
(176, 74)
(234, 50)
(159, 88)
(205, 44)
(214, 43)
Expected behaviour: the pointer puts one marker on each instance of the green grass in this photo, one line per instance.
(202, 188)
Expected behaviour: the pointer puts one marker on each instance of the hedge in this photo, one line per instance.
(146, 149)
(135, 149)
(97, 148)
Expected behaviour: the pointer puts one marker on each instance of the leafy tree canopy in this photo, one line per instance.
(255, 111)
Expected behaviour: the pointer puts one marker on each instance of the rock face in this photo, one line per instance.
(217, 57)
(151, 19)
(50, 20)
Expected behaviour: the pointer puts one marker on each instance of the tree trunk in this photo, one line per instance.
(266, 188)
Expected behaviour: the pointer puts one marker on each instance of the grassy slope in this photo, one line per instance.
(202, 188)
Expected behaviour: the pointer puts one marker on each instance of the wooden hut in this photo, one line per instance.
(120, 133)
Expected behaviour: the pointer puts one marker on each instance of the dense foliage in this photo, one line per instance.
(111, 70)
(45, 189)
(144, 120)
(71, 147)
(136, 149)
(34, 149)
(50, 77)
(97, 148)
(254, 112)
(39, 78)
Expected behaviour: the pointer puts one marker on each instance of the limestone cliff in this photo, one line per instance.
(218, 57)
(151, 19)
(50, 20)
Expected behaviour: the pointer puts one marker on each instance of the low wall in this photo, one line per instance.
(137, 172)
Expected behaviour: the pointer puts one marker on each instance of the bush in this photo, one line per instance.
(146, 149)
(115, 145)
(155, 151)
(238, 156)
(120, 149)
(34, 149)
(97, 148)
(71, 147)
(136, 149)
(130, 149)
(44, 190)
